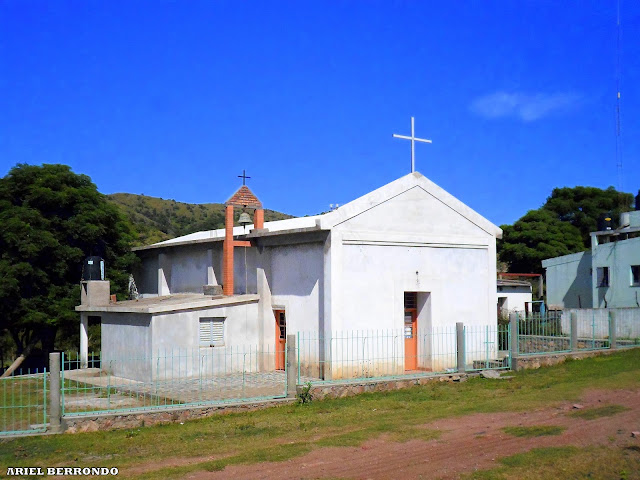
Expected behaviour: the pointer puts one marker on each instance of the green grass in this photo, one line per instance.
(594, 463)
(534, 431)
(291, 430)
(593, 413)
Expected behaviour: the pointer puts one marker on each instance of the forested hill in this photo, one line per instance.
(157, 219)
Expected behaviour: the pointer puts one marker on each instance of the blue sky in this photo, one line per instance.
(175, 98)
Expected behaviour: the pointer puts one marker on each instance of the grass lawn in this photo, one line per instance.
(596, 463)
(288, 431)
(535, 431)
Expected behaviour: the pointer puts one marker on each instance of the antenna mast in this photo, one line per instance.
(618, 76)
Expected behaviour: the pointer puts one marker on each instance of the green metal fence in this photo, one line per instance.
(23, 402)
(554, 332)
(382, 354)
(486, 347)
(111, 382)
(542, 333)
(592, 333)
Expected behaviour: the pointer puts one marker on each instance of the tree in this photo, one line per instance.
(51, 220)
(537, 236)
(545, 233)
(582, 206)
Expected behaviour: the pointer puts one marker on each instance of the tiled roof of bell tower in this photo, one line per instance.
(244, 198)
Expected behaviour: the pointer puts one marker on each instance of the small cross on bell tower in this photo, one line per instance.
(243, 177)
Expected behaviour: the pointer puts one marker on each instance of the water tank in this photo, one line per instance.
(605, 222)
(93, 268)
(625, 219)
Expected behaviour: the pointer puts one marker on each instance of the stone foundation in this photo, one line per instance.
(111, 421)
(341, 390)
(549, 359)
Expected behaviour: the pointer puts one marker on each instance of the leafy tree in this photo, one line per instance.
(51, 220)
(561, 226)
(537, 236)
(582, 206)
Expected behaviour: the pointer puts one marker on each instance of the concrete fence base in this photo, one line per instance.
(549, 359)
(348, 389)
(113, 421)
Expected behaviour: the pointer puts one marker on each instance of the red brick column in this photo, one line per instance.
(227, 252)
(258, 218)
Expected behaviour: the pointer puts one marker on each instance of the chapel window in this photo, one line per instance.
(211, 332)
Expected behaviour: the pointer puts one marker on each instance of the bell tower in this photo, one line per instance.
(246, 200)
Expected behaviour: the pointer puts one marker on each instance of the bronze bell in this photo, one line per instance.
(245, 219)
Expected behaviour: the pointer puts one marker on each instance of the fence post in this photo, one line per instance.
(55, 412)
(291, 367)
(460, 347)
(574, 331)
(515, 339)
(613, 335)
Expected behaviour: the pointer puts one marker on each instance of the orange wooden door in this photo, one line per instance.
(281, 338)
(410, 339)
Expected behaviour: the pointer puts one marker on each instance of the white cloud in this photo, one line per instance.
(526, 107)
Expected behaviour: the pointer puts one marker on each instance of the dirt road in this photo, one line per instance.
(466, 444)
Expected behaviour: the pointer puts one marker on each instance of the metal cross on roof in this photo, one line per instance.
(243, 177)
(413, 139)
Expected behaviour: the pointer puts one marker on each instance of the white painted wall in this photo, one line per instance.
(568, 281)
(176, 344)
(184, 269)
(410, 243)
(188, 270)
(126, 345)
(515, 298)
(618, 256)
(244, 273)
(296, 281)
(375, 279)
(148, 347)
(594, 322)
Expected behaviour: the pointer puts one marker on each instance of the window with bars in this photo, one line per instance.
(410, 313)
(410, 299)
(211, 332)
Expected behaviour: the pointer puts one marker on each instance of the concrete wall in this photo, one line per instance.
(568, 281)
(618, 256)
(189, 268)
(176, 344)
(126, 345)
(594, 322)
(147, 347)
(410, 243)
(413, 212)
(244, 274)
(146, 276)
(296, 280)
(515, 298)
(184, 270)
